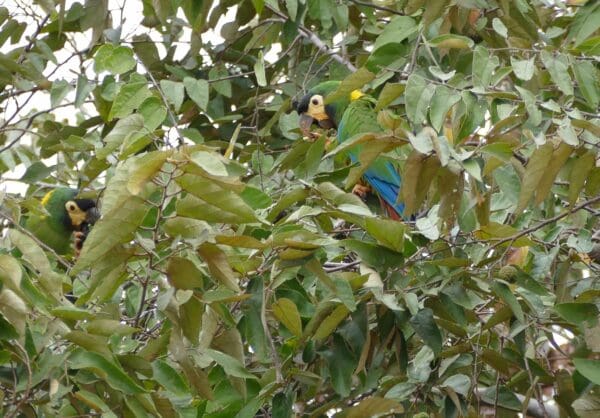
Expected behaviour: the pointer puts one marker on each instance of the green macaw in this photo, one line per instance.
(353, 115)
(66, 215)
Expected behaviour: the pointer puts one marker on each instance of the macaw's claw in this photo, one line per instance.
(361, 190)
(78, 239)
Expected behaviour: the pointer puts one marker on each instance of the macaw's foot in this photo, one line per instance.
(361, 190)
(78, 239)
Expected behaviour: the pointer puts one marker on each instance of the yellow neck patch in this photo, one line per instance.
(47, 197)
(355, 95)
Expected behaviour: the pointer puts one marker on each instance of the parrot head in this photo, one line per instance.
(314, 107)
(68, 211)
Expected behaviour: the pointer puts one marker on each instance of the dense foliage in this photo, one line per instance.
(233, 273)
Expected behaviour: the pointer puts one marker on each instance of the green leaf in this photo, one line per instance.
(588, 82)
(427, 329)
(71, 312)
(389, 93)
(523, 69)
(590, 369)
(94, 401)
(558, 67)
(231, 365)
(104, 369)
(129, 98)
(484, 66)
(218, 265)
(109, 327)
(397, 30)
(417, 96)
(10, 272)
(286, 312)
(198, 91)
(534, 172)
(169, 378)
(182, 273)
(116, 59)
(59, 90)
(154, 113)
(259, 70)
(451, 41)
(494, 231)
(387, 232)
(579, 174)
(371, 407)
(442, 101)
(499, 27)
(578, 313)
(507, 295)
(354, 81)
(535, 115)
(131, 126)
(174, 92)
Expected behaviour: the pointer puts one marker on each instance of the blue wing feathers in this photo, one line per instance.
(388, 187)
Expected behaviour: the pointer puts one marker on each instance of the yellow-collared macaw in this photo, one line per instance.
(353, 115)
(66, 215)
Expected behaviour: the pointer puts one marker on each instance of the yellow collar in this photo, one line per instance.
(355, 95)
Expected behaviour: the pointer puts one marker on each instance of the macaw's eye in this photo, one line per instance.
(71, 206)
(315, 101)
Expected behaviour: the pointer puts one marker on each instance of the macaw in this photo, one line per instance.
(66, 216)
(353, 115)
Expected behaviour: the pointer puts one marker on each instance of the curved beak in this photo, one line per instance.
(92, 215)
(305, 123)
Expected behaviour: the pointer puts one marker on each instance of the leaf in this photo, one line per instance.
(174, 92)
(499, 27)
(218, 265)
(109, 327)
(286, 312)
(353, 82)
(579, 174)
(104, 369)
(441, 102)
(577, 312)
(397, 30)
(559, 157)
(259, 70)
(534, 172)
(154, 113)
(506, 294)
(169, 378)
(504, 398)
(198, 91)
(116, 59)
(10, 272)
(558, 67)
(71, 312)
(451, 41)
(231, 365)
(427, 329)
(94, 401)
(331, 322)
(182, 273)
(371, 407)
(418, 95)
(494, 231)
(535, 115)
(590, 369)
(389, 93)
(131, 126)
(484, 66)
(523, 69)
(387, 232)
(587, 82)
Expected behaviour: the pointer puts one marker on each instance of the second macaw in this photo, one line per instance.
(353, 115)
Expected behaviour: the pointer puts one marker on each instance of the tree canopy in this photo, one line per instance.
(233, 273)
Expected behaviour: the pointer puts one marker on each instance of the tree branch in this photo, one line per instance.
(315, 40)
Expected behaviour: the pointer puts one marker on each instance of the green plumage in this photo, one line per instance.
(54, 229)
